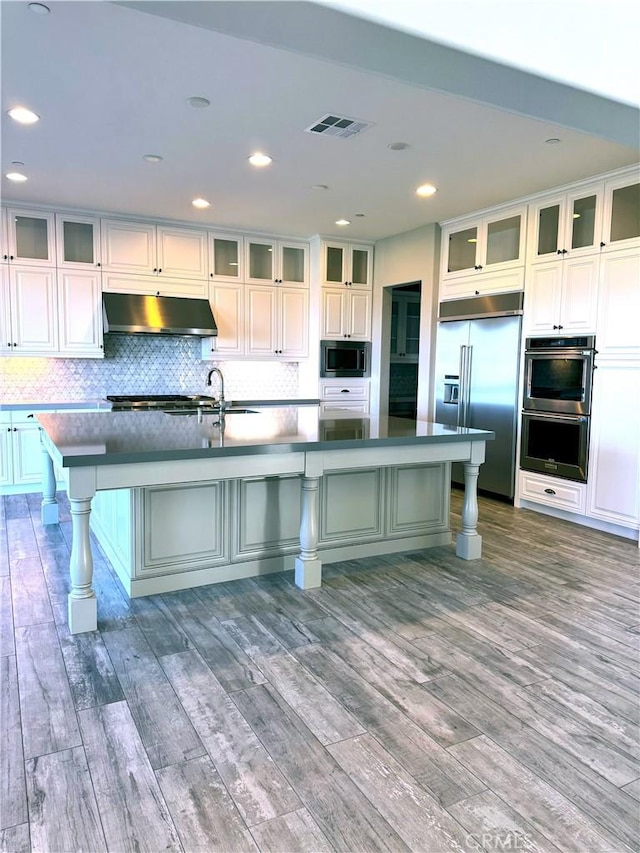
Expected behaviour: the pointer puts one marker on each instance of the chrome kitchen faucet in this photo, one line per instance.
(221, 377)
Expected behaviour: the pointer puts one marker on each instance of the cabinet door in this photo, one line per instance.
(6, 452)
(225, 258)
(461, 246)
(227, 302)
(260, 262)
(80, 312)
(34, 312)
(547, 220)
(618, 329)
(621, 214)
(542, 298)
(261, 326)
(31, 237)
(27, 455)
(503, 240)
(584, 222)
(334, 311)
(128, 246)
(359, 316)
(334, 263)
(361, 263)
(182, 252)
(77, 241)
(578, 300)
(293, 264)
(294, 322)
(6, 339)
(614, 455)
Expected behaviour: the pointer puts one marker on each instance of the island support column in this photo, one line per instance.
(308, 567)
(469, 541)
(49, 513)
(82, 604)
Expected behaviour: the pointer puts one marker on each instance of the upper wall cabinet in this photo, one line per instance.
(277, 262)
(486, 245)
(569, 224)
(30, 238)
(226, 261)
(621, 214)
(77, 241)
(348, 264)
(147, 249)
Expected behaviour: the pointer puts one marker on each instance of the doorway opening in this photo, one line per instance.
(404, 350)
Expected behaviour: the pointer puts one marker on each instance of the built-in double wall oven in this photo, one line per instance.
(558, 373)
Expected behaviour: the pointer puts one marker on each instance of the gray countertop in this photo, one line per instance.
(113, 438)
(103, 404)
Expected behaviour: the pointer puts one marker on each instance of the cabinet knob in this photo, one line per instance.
(160, 270)
(477, 293)
(602, 245)
(98, 264)
(479, 266)
(561, 327)
(559, 252)
(564, 251)
(155, 269)
(549, 491)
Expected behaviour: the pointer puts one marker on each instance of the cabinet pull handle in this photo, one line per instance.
(549, 491)
(344, 391)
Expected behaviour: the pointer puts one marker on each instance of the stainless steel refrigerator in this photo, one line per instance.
(477, 369)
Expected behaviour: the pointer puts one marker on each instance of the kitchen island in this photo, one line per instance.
(190, 499)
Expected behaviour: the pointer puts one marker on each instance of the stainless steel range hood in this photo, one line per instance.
(157, 315)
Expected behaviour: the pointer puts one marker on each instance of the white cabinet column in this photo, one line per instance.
(82, 604)
(469, 541)
(308, 574)
(49, 513)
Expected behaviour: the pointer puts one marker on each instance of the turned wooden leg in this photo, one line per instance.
(308, 566)
(83, 612)
(468, 541)
(49, 507)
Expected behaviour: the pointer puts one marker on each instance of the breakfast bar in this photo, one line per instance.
(216, 490)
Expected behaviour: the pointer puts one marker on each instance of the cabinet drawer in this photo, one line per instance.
(344, 391)
(552, 491)
(361, 407)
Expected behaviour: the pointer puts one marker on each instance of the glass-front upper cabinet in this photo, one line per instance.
(484, 245)
(347, 264)
(78, 241)
(568, 224)
(225, 257)
(31, 237)
(276, 262)
(621, 213)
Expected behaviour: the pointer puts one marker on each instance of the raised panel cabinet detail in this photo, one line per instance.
(414, 499)
(351, 505)
(267, 516)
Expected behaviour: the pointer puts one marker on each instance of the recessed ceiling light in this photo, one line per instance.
(553, 140)
(398, 146)
(360, 215)
(200, 202)
(472, 240)
(426, 190)
(343, 222)
(259, 159)
(320, 187)
(198, 102)
(39, 8)
(18, 177)
(23, 116)
(152, 158)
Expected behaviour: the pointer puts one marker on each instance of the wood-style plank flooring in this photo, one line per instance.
(414, 702)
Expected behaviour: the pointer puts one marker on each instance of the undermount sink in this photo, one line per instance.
(211, 410)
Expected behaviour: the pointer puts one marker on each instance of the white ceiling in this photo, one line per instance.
(110, 82)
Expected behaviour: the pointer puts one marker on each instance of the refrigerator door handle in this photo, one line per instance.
(463, 385)
(467, 385)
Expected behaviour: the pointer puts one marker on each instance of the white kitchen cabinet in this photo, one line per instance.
(113, 282)
(30, 237)
(32, 311)
(618, 327)
(77, 241)
(553, 492)
(561, 296)
(226, 257)
(143, 248)
(20, 451)
(4, 237)
(80, 313)
(277, 262)
(340, 395)
(6, 451)
(613, 491)
(477, 285)
(621, 217)
(405, 328)
(484, 245)
(277, 322)
(6, 339)
(566, 224)
(351, 506)
(348, 264)
(227, 304)
(346, 313)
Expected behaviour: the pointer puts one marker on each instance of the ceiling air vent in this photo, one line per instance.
(338, 126)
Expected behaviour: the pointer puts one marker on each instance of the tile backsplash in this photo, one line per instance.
(141, 364)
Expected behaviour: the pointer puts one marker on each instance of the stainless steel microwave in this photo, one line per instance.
(342, 359)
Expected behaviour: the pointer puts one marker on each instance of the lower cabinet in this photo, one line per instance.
(173, 537)
(344, 395)
(20, 452)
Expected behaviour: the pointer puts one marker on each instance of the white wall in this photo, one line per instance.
(404, 258)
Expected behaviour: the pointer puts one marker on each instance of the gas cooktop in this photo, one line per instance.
(159, 401)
